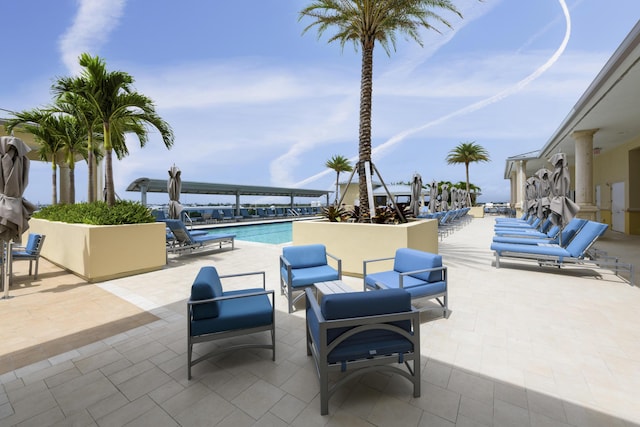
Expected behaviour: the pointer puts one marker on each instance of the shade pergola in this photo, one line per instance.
(148, 185)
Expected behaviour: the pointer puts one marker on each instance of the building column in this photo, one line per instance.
(522, 180)
(584, 173)
(513, 187)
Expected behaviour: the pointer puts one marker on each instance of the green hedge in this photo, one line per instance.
(97, 213)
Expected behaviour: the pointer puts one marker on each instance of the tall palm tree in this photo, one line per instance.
(365, 22)
(45, 128)
(74, 105)
(117, 105)
(73, 137)
(468, 152)
(339, 164)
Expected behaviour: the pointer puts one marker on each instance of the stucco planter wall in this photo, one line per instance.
(353, 243)
(102, 252)
(477, 211)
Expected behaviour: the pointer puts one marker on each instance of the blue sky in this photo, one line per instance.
(253, 101)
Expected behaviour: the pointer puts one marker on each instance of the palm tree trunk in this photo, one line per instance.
(91, 187)
(466, 165)
(364, 142)
(337, 186)
(111, 196)
(54, 183)
(72, 184)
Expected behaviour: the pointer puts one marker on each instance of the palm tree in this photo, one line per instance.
(120, 109)
(365, 22)
(74, 105)
(73, 137)
(339, 164)
(468, 152)
(45, 128)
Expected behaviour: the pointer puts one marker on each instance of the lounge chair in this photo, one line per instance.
(30, 252)
(534, 225)
(303, 265)
(358, 332)
(184, 240)
(576, 252)
(563, 238)
(215, 314)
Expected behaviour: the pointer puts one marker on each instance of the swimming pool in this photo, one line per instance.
(274, 233)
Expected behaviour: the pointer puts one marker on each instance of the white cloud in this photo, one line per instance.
(93, 23)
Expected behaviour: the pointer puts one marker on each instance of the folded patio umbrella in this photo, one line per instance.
(563, 209)
(15, 211)
(174, 186)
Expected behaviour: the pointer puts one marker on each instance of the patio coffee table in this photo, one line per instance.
(331, 287)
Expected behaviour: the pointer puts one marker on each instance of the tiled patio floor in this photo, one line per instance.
(522, 347)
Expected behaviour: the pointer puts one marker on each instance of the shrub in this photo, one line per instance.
(335, 214)
(97, 213)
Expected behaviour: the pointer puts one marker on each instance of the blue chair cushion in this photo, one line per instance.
(234, 314)
(359, 304)
(410, 260)
(416, 288)
(310, 275)
(305, 256)
(206, 286)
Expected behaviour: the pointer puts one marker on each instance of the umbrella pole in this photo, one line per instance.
(6, 248)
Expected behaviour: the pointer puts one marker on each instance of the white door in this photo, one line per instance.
(617, 206)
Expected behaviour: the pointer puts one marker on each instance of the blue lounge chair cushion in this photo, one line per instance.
(310, 275)
(361, 304)
(305, 256)
(206, 286)
(237, 313)
(411, 260)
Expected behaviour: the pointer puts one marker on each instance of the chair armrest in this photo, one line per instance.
(253, 273)
(222, 298)
(287, 265)
(426, 270)
(364, 269)
(312, 303)
(339, 261)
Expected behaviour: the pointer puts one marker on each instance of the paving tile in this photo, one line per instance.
(393, 412)
(208, 411)
(288, 408)
(438, 401)
(127, 413)
(143, 383)
(259, 398)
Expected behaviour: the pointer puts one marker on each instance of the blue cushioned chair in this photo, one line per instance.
(215, 314)
(358, 332)
(30, 252)
(419, 273)
(302, 266)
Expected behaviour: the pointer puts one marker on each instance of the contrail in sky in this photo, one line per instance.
(379, 150)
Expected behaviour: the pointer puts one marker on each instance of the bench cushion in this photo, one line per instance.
(240, 313)
(305, 256)
(359, 304)
(206, 286)
(310, 275)
(410, 260)
(416, 288)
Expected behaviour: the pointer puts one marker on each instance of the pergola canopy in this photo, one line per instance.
(148, 185)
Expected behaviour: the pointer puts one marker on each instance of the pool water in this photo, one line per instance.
(275, 233)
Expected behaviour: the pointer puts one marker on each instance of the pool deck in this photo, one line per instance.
(523, 346)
